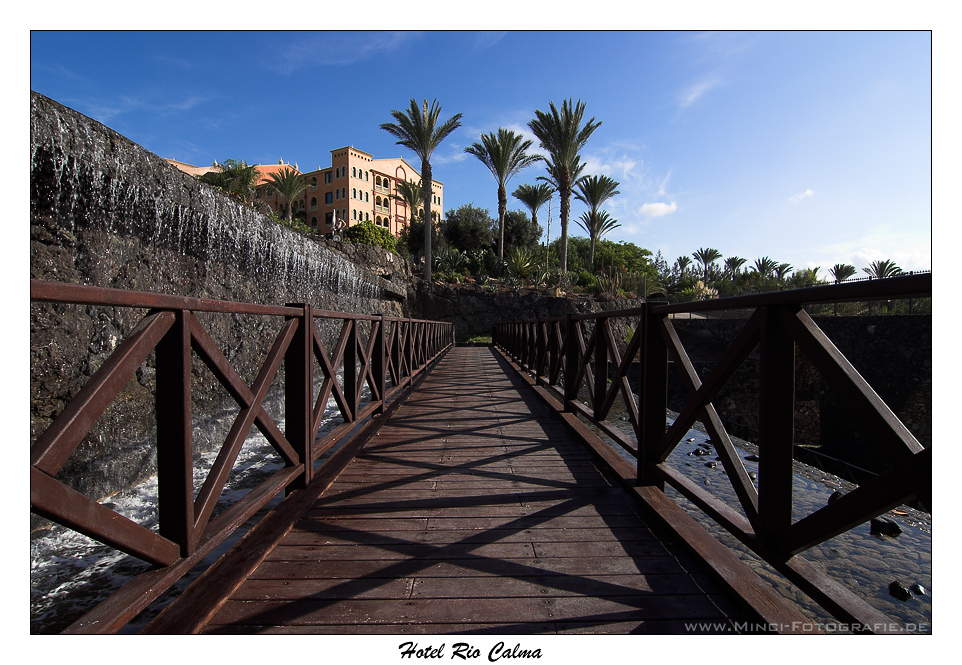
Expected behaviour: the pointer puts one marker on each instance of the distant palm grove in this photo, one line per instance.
(469, 244)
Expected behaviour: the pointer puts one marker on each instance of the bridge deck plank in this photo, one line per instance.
(474, 510)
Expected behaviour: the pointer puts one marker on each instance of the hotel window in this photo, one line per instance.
(367, 217)
(314, 202)
(314, 184)
(367, 197)
(328, 198)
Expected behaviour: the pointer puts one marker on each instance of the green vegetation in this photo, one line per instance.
(371, 234)
(236, 178)
(594, 191)
(411, 196)
(289, 184)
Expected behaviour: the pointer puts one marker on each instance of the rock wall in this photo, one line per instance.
(474, 311)
(105, 212)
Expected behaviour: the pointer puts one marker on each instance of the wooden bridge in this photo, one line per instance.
(466, 494)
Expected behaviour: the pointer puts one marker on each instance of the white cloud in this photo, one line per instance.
(697, 91)
(338, 48)
(808, 193)
(658, 209)
(488, 38)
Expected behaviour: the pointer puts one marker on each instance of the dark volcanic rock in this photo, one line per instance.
(105, 212)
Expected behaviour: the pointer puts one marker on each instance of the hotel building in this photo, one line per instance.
(356, 187)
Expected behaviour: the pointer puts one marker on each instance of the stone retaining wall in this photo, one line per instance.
(105, 212)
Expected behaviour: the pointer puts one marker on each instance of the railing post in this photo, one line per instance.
(377, 364)
(601, 366)
(776, 424)
(524, 350)
(571, 363)
(540, 348)
(350, 368)
(409, 349)
(175, 459)
(299, 392)
(653, 395)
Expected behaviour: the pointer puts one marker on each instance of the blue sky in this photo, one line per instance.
(811, 148)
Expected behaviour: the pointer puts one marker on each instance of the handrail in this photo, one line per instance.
(395, 352)
(567, 365)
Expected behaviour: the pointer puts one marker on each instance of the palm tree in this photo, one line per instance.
(563, 137)
(505, 155)
(418, 131)
(882, 269)
(765, 266)
(237, 178)
(534, 196)
(733, 264)
(412, 196)
(706, 257)
(682, 262)
(594, 191)
(842, 271)
(781, 270)
(596, 226)
(290, 184)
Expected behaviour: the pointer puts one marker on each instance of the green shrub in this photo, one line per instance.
(369, 233)
(586, 280)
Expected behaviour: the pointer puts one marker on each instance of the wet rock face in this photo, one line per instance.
(105, 212)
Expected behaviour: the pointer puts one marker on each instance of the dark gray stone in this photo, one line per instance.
(896, 590)
(884, 526)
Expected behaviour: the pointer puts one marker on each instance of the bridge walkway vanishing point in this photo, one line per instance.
(474, 511)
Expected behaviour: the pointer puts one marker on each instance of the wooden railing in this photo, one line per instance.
(563, 362)
(395, 351)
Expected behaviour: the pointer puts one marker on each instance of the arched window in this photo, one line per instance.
(314, 222)
(313, 203)
(314, 184)
(367, 217)
(353, 192)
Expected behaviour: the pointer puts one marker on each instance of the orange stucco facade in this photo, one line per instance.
(356, 187)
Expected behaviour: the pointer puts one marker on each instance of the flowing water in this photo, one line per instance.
(866, 563)
(70, 573)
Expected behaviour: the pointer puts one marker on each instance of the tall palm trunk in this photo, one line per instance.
(564, 192)
(502, 208)
(428, 218)
(591, 251)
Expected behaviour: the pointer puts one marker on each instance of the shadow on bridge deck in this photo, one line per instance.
(474, 510)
